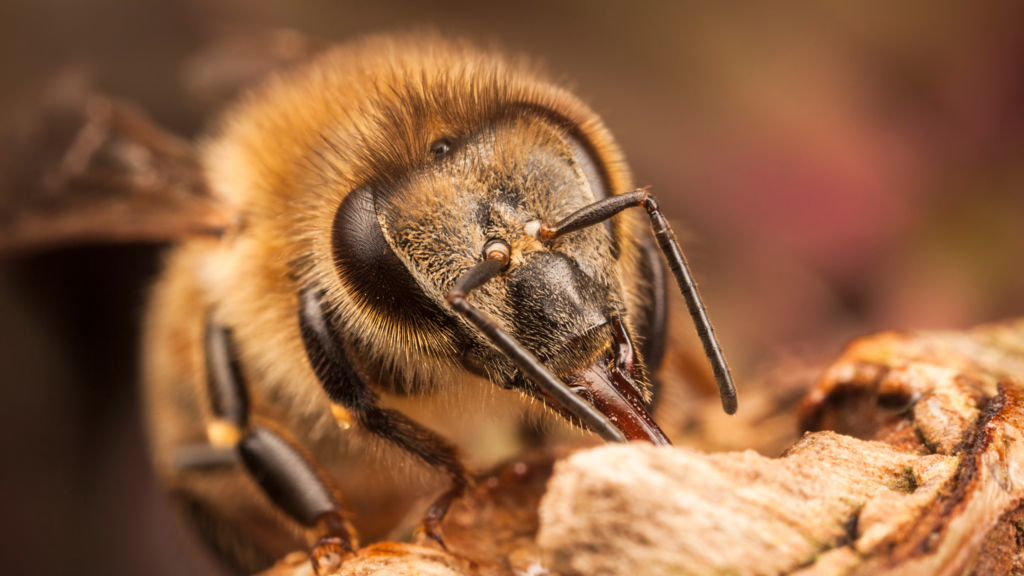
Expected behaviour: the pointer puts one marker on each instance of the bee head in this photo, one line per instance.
(474, 150)
(556, 299)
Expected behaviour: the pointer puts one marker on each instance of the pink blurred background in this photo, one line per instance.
(833, 170)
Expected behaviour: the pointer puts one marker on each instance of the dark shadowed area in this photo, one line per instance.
(833, 171)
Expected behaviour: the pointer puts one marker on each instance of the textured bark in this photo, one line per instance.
(914, 464)
(383, 559)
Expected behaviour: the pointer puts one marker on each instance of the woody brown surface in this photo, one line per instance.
(913, 463)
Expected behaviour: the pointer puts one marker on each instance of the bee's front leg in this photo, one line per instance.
(292, 483)
(287, 476)
(349, 391)
(429, 447)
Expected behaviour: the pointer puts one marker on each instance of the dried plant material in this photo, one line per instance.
(944, 377)
(384, 559)
(503, 506)
(633, 509)
(938, 492)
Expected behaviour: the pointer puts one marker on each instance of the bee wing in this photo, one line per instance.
(78, 166)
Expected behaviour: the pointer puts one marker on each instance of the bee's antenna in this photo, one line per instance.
(604, 209)
(496, 259)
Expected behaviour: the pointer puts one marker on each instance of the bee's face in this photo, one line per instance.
(555, 299)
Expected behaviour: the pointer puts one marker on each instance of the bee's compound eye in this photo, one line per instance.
(441, 147)
(368, 266)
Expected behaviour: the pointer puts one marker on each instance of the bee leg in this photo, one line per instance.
(286, 476)
(293, 484)
(429, 447)
(347, 388)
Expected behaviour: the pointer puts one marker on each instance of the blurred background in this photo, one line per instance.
(833, 170)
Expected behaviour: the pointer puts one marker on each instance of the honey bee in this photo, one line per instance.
(398, 222)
